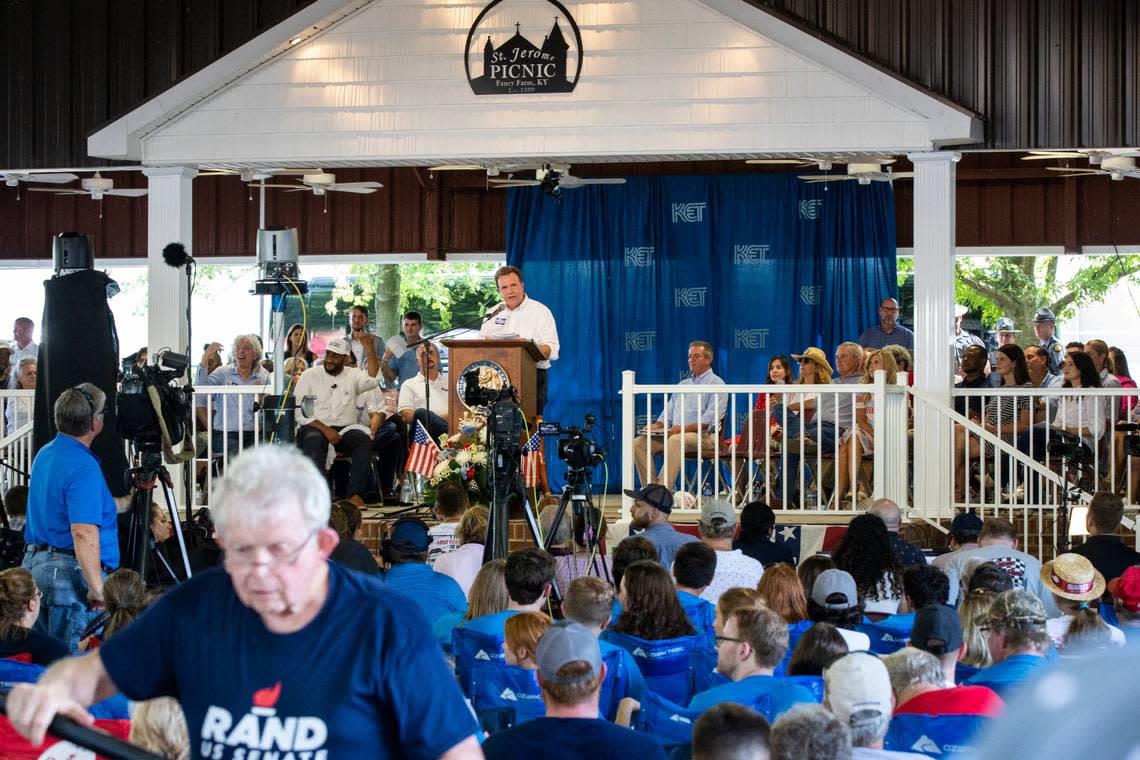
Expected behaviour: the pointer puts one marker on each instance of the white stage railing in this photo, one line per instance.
(762, 448)
(15, 436)
(224, 416)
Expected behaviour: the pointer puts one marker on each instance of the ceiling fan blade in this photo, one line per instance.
(344, 185)
(826, 177)
(514, 183)
(1074, 171)
(357, 190)
(1043, 155)
(219, 173)
(899, 175)
(127, 192)
(572, 181)
(284, 187)
(55, 179)
(55, 190)
(456, 168)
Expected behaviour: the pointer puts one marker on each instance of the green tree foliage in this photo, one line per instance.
(1017, 286)
(445, 294)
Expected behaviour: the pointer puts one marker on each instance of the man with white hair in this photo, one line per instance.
(233, 423)
(857, 690)
(19, 410)
(292, 655)
(327, 395)
(919, 685)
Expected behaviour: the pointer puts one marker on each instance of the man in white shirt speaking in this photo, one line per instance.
(328, 405)
(522, 317)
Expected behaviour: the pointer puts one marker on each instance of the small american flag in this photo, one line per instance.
(532, 460)
(424, 452)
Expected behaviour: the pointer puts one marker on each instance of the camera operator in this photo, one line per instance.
(525, 318)
(233, 415)
(71, 529)
(332, 389)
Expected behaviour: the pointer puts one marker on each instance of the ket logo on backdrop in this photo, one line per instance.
(810, 209)
(748, 254)
(810, 294)
(640, 340)
(639, 256)
(689, 298)
(752, 337)
(689, 213)
(512, 64)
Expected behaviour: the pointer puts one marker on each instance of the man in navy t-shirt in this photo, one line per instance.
(570, 673)
(283, 652)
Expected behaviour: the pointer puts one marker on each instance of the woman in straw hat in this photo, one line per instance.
(1076, 586)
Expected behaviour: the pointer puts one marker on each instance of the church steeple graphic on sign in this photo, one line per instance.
(518, 66)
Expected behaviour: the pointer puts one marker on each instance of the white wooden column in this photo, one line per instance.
(170, 219)
(934, 218)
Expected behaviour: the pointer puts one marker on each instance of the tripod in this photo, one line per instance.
(1072, 465)
(141, 547)
(577, 493)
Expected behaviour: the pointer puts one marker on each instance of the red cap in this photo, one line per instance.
(1126, 588)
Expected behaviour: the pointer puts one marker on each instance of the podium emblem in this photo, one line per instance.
(492, 378)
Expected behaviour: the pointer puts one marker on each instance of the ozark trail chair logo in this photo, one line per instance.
(810, 209)
(511, 63)
(753, 337)
(639, 256)
(640, 340)
(689, 213)
(691, 298)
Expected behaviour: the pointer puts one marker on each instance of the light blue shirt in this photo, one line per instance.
(227, 418)
(706, 408)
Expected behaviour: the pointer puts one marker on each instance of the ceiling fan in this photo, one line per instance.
(254, 174)
(1094, 155)
(863, 173)
(321, 184)
(96, 187)
(822, 163)
(13, 179)
(1116, 166)
(553, 180)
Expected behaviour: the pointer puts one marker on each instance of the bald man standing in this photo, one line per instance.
(888, 331)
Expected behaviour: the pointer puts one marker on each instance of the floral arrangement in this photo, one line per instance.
(463, 457)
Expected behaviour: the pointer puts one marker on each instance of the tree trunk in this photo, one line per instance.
(387, 304)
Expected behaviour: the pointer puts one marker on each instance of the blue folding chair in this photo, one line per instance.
(672, 725)
(963, 671)
(13, 672)
(1108, 614)
(664, 663)
(935, 735)
(814, 684)
(701, 614)
(703, 674)
(470, 647)
(884, 639)
(504, 696)
(615, 686)
(795, 631)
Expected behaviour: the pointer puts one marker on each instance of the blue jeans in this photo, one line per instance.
(794, 428)
(63, 606)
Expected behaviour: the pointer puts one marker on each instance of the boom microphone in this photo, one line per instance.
(175, 255)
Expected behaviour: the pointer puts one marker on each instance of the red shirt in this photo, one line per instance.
(959, 700)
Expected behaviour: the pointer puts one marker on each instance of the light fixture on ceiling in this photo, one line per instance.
(296, 39)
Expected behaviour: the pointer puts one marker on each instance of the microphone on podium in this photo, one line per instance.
(494, 312)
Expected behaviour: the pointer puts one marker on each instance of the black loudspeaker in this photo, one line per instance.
(80, 345)
(72, 252)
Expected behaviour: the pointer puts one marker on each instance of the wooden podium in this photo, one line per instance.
(511, 360)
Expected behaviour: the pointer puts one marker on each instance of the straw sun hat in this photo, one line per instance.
(1071, 576)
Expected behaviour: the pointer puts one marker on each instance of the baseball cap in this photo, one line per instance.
(565, 642)
(655, 495)
(833, 581)
(936, 630)
(411, 534)
(816, 355)
(966, 524)
(338, 346)
(960, 310)
(1017, 608)
(858, 691)
(6, 346)
(718, 513)
(1005, 324)
(1044, 315)
(1126, 589)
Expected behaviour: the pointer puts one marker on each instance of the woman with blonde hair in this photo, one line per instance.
(860, 440)
(521, 633)
(487, 596)
(464, 563)
(158, 725)
(734, 599)
(972, 614)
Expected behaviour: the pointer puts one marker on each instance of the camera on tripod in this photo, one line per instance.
(576, 450)
(1131, 439)
(137, 420)
(1065, 445)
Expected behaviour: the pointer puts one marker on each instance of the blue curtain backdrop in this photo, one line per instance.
(758, 265)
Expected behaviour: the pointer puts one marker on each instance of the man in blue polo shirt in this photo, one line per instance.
(751, 646)
(406, 552)
(71, 530)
